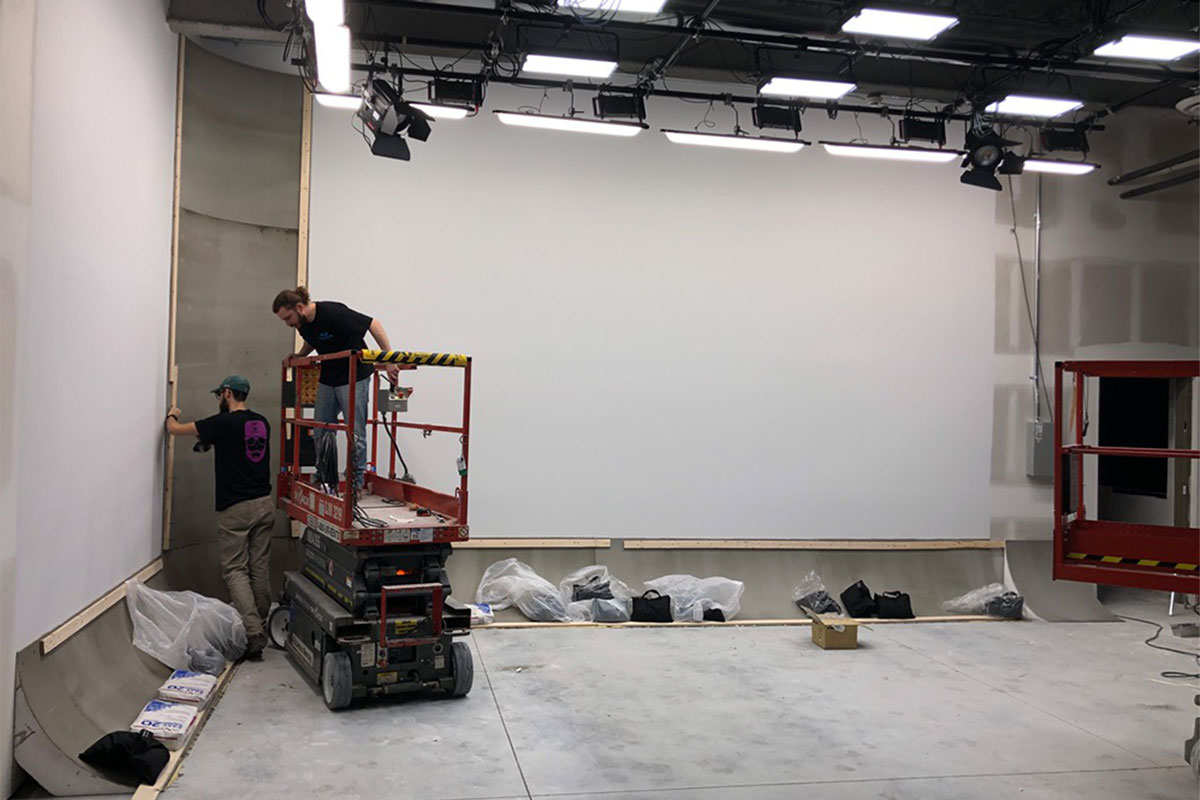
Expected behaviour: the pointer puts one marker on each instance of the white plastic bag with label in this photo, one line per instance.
(170, 626)
(513, 583)
(692, 596)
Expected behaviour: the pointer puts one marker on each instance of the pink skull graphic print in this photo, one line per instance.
(256, 440)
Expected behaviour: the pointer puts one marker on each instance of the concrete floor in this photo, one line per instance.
(962, 710)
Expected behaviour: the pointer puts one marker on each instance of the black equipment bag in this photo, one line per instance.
(857, 600)
(894, 605)
(134, 757)
(647, 608)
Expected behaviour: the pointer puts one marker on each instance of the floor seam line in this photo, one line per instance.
(503, 723)
(821, 782)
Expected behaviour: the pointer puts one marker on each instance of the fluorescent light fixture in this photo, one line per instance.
(800, 87)
(333, 58)
(630, 6)
(442, 112)
(350, 102)
(562, 65)
(325, 12)
(571, 124)
(1059, 167)
(1149, 48)
(764, 143)
(925, 154)
(898, 24)
(1019, 105)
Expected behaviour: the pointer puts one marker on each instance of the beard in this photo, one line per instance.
(224, 406)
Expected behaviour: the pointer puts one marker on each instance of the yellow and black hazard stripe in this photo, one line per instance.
(1141, 562)
(419, 359)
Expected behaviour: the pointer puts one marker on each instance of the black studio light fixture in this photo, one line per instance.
(388, 118)
(987, 154)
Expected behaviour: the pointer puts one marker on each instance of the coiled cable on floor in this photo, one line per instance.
(1150, 642)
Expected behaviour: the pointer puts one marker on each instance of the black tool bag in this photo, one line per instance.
(714, 615)
(858, 601)
(651, 607)
(596, 588)
(820, 603)
(1009, 605)
(894, 605)
(133, 757)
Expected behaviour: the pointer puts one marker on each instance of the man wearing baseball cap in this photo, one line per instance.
(245, 509)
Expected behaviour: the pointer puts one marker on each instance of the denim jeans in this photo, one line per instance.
(334, 399)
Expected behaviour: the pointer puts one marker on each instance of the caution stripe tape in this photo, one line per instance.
(419, 359)
(1141, 562)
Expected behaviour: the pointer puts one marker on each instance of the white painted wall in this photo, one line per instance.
(84, 312)
(675, 341)
(16, 122)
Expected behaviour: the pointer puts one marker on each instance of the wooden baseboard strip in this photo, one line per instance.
(813, 544)
(867, 621)
(78, 622)
(151, 791)
(510, 544)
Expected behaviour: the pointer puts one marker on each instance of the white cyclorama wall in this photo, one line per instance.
(675, 341)
(93, 315)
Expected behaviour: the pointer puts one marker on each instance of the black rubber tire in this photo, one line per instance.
(277, 626)
(464, 669)
(337, 680)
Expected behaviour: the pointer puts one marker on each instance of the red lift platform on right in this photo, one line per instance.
(1160, 557)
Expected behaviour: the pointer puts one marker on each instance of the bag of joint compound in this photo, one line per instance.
(188, 687)
(169, 723)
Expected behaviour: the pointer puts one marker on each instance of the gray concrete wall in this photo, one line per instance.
(1120, 280)
(240, 194)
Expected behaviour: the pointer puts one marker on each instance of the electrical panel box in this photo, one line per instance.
(1039, 449)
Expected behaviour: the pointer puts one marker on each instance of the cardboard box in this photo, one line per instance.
(825, 633)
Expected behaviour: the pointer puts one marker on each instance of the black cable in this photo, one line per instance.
(407, 477)
(1042, 390)
(1150, 642)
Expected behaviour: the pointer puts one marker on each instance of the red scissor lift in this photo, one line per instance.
(369, 613)
(1158, 557)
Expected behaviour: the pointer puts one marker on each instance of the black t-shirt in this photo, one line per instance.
(242, 440)
(336, 328)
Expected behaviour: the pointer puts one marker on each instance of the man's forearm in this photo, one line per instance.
(380, 335)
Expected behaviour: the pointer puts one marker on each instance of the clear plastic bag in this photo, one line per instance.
(591, 583)
(171, 626)
(616, 609)
(692, 596)
(976, 600)
(811, 593)
(513, 583)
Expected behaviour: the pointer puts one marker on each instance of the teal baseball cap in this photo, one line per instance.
(235, 382)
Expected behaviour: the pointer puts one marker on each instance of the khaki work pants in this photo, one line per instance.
(244, 534)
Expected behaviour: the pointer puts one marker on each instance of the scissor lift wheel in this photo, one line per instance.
(337, 680)
(464, 669)
(277, 625)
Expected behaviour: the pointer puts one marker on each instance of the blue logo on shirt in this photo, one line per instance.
(324, 336)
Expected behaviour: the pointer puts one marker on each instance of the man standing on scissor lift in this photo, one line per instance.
(330, 327)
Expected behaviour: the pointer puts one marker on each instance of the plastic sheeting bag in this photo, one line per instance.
(617, 609)
(692, 596)
(170, 626)
(512, 583)
(811, 593)
(976, 600)
(592, 583)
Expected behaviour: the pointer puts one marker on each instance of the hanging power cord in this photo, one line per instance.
(1042, 391)
(1173, 674)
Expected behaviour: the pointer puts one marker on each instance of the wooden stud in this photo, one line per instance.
(78, 622)
(172, 365)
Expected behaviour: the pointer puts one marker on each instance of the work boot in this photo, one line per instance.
(254, 647)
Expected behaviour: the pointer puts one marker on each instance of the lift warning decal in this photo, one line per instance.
(420, 359)
(1141, 562)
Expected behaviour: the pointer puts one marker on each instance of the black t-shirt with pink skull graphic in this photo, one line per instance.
(242, 441)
